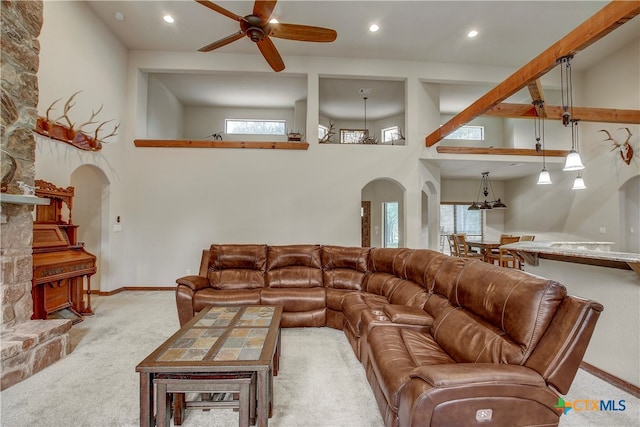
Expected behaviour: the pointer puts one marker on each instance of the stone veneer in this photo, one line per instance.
(27, 346)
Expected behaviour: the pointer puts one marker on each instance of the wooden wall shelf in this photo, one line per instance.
(188, 143)
(500, 151)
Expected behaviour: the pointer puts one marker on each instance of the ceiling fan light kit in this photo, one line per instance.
(258, 29)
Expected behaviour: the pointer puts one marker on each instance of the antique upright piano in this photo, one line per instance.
(60, 264)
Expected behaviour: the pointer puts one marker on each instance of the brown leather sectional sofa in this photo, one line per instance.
(445, 341)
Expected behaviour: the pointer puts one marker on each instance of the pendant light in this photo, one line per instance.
(573, 162)
(485, 186)
(578, 184)
(538, 124)
(366, 139)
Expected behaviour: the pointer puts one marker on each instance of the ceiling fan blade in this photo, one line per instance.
(220, 10)
(222, 42)
(264, 9)
(303, 33)
(270, 53)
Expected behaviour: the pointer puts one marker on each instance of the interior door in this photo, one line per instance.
(365, 215)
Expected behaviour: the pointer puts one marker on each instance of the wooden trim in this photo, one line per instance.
(442, 149)
(607, 19)
(611, 379)
(554, 112)
(134, 288)
(188, 143)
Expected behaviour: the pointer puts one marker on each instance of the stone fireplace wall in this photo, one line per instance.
(27, 346)
(21, 24)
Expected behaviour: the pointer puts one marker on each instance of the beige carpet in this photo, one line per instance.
(321, 383)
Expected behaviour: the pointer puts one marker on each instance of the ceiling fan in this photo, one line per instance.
(258, 28)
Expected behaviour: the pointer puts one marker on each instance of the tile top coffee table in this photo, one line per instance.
(217, 343)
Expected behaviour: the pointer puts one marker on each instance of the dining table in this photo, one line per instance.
(484, 246)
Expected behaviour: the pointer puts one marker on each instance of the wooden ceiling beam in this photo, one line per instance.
(537, 96)
(593, 29)
(554, 112)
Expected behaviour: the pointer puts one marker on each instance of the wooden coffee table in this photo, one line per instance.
(221, 342)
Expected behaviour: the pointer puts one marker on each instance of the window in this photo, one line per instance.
(255, 127)
(456, 218)
(390, 224)
(391, 134)
(469, 133)
(352, 136)
(322, 131)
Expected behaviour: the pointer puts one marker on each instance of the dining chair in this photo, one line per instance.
(504, 257)
(496, 251)
(463, 249)
(453, 249)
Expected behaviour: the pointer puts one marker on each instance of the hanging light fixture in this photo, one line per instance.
(538, 124)
(573, 162)
(366, 139)
(366, 130)
(578, 184)
(485, 186)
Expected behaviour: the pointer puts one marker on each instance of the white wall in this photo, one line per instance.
(615, 344)
(78, 52)
(164, 112)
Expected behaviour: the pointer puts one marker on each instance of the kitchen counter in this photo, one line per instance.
(591, 253)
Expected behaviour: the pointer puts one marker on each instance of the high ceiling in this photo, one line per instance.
(511, 33)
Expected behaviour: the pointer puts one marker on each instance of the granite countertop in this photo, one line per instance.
(560, 248)
(564, 251)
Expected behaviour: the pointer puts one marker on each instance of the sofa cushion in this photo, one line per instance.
(396, 290)
(294, 266)
(293, 300)
(389, 260)
(212, 296)
(495, 315)
(395, 352)
(237, 266)
(344, 267)
(421, 265)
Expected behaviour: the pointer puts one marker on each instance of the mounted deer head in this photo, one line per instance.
(625, 149)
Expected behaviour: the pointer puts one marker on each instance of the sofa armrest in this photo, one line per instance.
(407, 315)
(194, 282)
(457, 374)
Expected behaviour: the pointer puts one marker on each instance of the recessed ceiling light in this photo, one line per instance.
(273, 21)
(373, 28)
(168, 18)
(471, 34)
(119, 16)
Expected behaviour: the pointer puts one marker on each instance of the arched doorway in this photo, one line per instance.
(387, 212)
(90, 213)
